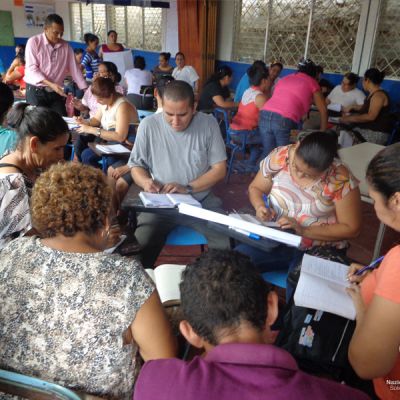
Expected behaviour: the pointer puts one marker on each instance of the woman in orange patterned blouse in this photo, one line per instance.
(309, 191)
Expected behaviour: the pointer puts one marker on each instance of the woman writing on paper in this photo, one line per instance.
(374, 348)
(113, 122)
(309, 192)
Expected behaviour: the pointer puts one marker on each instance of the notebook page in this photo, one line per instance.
(324, 290)
(155, 200)
(178, 198)
(254, 220)
(325, 269)
(168, 278)
(112, 148)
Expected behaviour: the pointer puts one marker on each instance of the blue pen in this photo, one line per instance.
(248, 234)
(373, 265)
(266, 201)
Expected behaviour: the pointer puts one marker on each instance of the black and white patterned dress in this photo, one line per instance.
(63, 316)
(15, 217)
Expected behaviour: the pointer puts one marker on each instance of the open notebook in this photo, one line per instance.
(169, 200)
(322, 286)
(167, 278)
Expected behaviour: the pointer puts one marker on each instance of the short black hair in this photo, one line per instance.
(113, 70)
(179, 91)
(6, 100)
(257, 74)
(383, 171)
(53, 19)
(308, 67)
(276, 64)
(161, 83)
(139, 62)
(90, 37)
(318, 149)
(374, 75)
(352, 78)
(111, 31)
(167, 56)
(221, 290)
(42, 122)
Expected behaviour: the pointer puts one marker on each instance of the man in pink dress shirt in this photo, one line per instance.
(49, 59)
(228, 310)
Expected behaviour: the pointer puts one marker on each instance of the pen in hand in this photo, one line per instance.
(372, 265)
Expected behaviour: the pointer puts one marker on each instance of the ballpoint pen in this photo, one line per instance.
(248, 234)
(372, 265)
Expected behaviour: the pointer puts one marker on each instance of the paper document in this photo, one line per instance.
(253, 219)
(122, 59)
(335, 107)
(167, 278)
(111, 250)
(169, 200)
(334, 120)
(71, 123)
(112, 149)
(275, 234)
(322, 286)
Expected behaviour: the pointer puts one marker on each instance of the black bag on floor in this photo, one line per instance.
(318, 340)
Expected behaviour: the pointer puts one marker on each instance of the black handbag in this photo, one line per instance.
(318, 340)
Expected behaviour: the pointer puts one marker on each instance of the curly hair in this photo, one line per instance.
(221, 290)
(70, 198)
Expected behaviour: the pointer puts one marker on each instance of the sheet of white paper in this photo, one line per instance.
(264, 231)
(112, 249)
(155, 200)
(71, 123)
(334, 120)
(335, 107)
(122, 59)
(254, 220)
(167, 278)
(112, 148)
(322, 286)
(178, 198)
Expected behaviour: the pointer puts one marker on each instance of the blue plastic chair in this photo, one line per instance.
(277, 278)
(236, 141)
(394, 134)
(185, 236)
(33, 388)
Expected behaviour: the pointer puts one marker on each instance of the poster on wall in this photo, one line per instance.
(35, 14)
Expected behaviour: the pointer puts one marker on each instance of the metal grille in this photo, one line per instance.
(99, 22)
(250, 32)
(333, 34)
(135, 27)
(152, 28)
(117, 21)
(288, 31)
(387, 44)
(75, 13)
(86, 12)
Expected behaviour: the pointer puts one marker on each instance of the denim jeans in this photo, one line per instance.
(253, 139)
(274, 130)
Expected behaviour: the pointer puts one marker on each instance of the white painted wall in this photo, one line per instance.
(18, 16)
(170, 29)
(225, 26)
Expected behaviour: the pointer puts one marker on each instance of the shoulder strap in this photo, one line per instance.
(5, 165)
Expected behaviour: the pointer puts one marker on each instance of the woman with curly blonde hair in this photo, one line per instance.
(72, 314)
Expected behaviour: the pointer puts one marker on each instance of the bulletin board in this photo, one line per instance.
(7, 29)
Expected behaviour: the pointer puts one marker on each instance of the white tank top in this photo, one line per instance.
(109, 114)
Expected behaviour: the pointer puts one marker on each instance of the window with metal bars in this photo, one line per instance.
(287, 30)
(387, 43)
(137, 27)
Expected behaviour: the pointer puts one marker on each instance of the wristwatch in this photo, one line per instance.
(189, 189)
(98, 131)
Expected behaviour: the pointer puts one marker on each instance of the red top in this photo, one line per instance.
(106, 49)
(21, 82)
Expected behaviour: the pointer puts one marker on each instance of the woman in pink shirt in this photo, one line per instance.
(292, 98)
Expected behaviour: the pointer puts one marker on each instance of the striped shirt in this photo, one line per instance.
(91, 63)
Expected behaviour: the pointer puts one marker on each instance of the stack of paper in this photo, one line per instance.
(112, 149)
(170, 200)
(71, 123)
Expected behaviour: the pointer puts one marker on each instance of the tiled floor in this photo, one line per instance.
(234, 196)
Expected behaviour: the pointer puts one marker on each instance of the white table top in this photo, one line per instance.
(357, 159)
